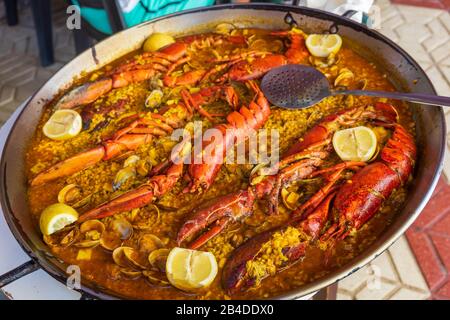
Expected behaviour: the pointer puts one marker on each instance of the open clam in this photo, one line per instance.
(70, 237)
(123, 175)
(127, 257)
(122, 228)
(92, 228)
(158, 258)
(131, 273)
(64, 237)
(149, 243)
(70, 194)
(110, 241)
(155, 278)
(91, 232)
(82, 202)
(344, 78)
(118, 231)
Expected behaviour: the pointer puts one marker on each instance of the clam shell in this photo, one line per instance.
(131, 273)
(69, 194)
(149, 243)
(120, 258)
(131, 161)
(91, 225)
(133, 256)
(155, 279)
(158, 258)
(154, 99)
(344, 78)
(81, 203)
(70, 237)
(87, 243)
(122, 227)
(123, 175)
(110, 241)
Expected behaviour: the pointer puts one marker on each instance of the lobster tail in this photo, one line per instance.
(400, 153)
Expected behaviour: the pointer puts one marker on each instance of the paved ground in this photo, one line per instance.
(423, 32)
(20, 72)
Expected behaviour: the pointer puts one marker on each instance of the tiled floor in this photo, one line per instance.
(436, 4)
(424, 32)
(429, 238)
(20, 72)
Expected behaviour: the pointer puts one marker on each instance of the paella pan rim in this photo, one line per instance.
(54, 267)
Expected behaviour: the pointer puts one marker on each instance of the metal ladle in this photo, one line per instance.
(296, 86)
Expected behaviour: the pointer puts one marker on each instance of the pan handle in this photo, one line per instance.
(19, 272)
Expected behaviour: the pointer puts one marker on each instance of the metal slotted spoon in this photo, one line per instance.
(295, 86)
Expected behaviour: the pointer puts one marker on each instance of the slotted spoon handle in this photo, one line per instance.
(411, 97)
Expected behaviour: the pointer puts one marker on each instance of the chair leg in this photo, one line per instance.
(328, 293)
(42, 16)
(82, 40)
(11, 12)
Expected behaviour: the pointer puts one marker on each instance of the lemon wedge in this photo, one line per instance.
(322, 45)
(355, 144)
(63, 124)
(157, 41)
(189, 270)
(55, 217)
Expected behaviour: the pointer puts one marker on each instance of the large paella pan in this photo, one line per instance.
(118, 181)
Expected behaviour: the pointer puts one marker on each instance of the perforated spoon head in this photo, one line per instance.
(295, 86)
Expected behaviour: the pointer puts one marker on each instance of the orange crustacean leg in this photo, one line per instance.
(108, 150)
(138, 132)
(84, 94)
(154, 188)
(122, 76)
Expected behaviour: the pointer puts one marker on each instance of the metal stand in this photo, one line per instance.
(19, 272)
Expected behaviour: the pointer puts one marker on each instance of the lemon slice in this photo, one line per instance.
(355, 144)
(322, 45)
(190, 269)
(63, 124)
(55, 217)
(157, 41)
